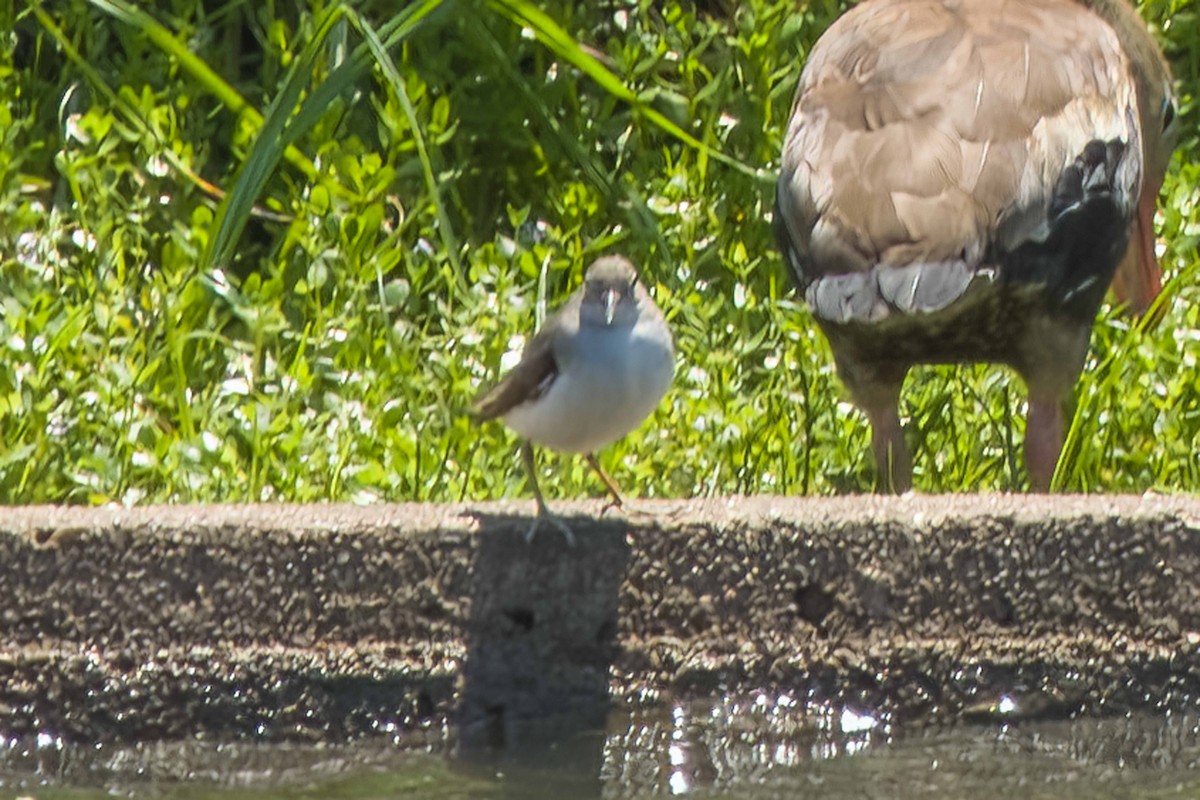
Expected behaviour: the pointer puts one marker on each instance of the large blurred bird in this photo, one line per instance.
(962, 180)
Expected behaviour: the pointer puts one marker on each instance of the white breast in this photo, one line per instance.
(609, 381)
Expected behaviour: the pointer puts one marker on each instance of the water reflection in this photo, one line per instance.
(754, 747)
(760, 746)
(740, 740)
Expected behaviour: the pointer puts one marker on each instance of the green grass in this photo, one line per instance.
(401, 194)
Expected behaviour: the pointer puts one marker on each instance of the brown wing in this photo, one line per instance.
(925, 135)
(535, 372)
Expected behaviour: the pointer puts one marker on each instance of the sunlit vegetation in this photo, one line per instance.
(271, 251)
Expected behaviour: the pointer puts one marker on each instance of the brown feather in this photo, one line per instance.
(532, 375)
(918, 124)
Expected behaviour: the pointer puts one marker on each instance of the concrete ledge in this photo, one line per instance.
(328, 622)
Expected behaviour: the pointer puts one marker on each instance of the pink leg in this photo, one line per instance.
(893, 464)
(1043, 440)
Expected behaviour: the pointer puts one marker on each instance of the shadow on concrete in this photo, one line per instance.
(541, 637)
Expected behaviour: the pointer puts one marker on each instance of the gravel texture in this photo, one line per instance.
(330, 622)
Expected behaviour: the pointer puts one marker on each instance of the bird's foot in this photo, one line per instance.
(637, 509)
(613, 503)
(545, 516)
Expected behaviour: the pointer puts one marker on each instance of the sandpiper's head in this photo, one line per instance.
(610, 293)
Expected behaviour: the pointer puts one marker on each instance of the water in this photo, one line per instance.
(749, 748)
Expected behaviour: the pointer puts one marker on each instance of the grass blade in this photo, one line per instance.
(552, 35)
(281, 128)
(346, 74)
(396, 82)
(194, 66)
(234, 211)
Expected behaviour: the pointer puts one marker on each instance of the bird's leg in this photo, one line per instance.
(543, 513)
(876, 390)
(614, 491)
(893, 463)
(1043, 439)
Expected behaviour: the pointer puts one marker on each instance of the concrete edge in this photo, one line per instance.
(330, 622)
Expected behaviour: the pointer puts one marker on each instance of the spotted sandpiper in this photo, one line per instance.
(597, 368)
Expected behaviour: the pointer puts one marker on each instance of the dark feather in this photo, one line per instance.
(524, 383)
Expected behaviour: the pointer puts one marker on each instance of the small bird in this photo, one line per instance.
(597, 368)
(961, 181)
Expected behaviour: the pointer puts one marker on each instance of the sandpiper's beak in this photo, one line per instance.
(611, 298)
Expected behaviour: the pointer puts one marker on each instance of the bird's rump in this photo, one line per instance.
(931, 140)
